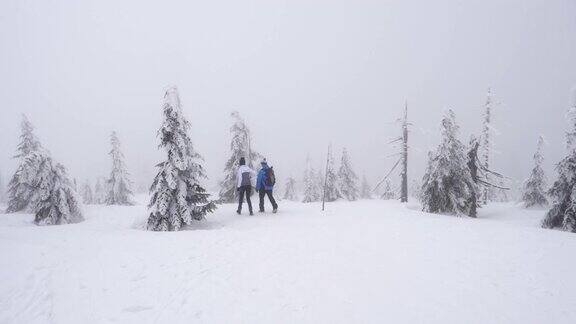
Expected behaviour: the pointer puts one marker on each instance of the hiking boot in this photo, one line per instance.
(275, 210)
(239, 212)
(251, 214)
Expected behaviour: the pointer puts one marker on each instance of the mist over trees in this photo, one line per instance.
(331, 192)
(347, 178)
(312, 187)
(119, 186)
(87, 193)
(290, 192)
(457, 179)
(365, 190)
(534, 194)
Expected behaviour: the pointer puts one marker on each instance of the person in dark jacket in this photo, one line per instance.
(264, 188)
(244, 186)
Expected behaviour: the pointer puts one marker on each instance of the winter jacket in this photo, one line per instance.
(260, 181)
(244, 176)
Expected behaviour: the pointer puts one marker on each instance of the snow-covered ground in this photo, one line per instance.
(363, 262)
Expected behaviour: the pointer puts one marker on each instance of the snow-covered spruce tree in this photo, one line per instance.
(290, 190)
(388, 193)
(240, 147)
(319, 180)
(310, 181)
(329, 184)
(57, 202)
(21, 191)
(563, 191)
(365, 190)
(87, 193)
(99, 192)
(177, 197)
(347, 179)
(118, 186)
(447, 185)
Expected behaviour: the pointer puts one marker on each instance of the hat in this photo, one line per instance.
(264, 162)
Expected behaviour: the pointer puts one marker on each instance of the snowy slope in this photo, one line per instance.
(368, 262)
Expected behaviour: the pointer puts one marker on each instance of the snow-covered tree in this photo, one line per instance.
(310, 181)
(290, 190)
(319, 180)
(447, 185)
(347, 179)
(118, 186)
(388, 193)
(21, 191)
(415, 189)
(99, 192)
(563, 191)
(57, 202)
(485, 145)
(177, 196)
(240, 147)
(330, 189)
(365, 190)
(87, 193)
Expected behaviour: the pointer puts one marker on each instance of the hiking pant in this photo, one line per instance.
(244, 190)
(270, 196)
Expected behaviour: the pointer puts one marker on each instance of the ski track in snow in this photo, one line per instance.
(367, 261)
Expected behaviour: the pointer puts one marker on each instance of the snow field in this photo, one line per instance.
(368, 261)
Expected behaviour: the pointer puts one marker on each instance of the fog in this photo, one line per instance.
(303, 74)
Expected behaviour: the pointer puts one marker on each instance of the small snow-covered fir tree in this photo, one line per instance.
(240, 147)
(365, 190)
(347, 179)
(99, 192)
(310, 181)
(563, 191)
(319, 180)
(118, 186)
(447, 185)
(388, 193)
(57, 202)
(290, 190)
(177, 196)
(87, 193)
(415, 189)
(534, 193)
(21, 191)
(330, 188)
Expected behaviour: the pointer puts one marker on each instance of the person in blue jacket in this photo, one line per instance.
(265, 186)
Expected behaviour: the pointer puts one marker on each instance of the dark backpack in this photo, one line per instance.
(269, 178)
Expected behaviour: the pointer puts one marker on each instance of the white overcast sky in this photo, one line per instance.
(302, 73)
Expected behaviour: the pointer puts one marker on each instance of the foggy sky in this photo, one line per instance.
(302, 74)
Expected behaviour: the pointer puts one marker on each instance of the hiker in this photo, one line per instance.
(244, 187)
(265, 185)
